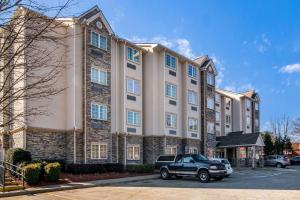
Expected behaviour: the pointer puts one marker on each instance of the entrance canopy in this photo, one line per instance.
(238, 139)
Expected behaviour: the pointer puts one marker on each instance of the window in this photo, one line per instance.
(218, 98)
(248, 103)
(248, 121)
(171, 150)
(210, 79)
(171, 90)
(99, 76)
(171, 120)
(133, 118)
(193, 150)
(256, 106)
(99, 112)
(193, 124)
(99, 40)
(98, 151)
(133, 55)
(210, 127)
(133, 152)
(228, 119)
(256, 122)
(192, 97)
(228, 103)
(210, 103)
(133, 86)
(188, 159)
(192, 71)
(218, 117)
(170, 61)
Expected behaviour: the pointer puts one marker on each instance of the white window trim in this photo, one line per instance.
(139, 82)
(99, 111)
(213, 103)
(98, 71)
(168, 113)
(192, 118)
(213, 79)
(134, 146)
(219, 117)
(227, 123)
(140, 118)
(106, 153)
(170, 67)
(133, 60)
(196, 95)
(171, 84)
(191, 150)
(213, 127)
(99, 144)
(99, 40)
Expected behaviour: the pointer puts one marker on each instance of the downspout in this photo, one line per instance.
(74, 82)
(116, 98)
(125, 150)
(85, 45)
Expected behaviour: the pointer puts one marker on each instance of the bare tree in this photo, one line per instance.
(31, 58)
(281, 127)
(296, 127)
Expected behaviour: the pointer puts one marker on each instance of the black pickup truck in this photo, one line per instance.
(189, 165)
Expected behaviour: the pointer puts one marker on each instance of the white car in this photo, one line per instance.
(224, 161)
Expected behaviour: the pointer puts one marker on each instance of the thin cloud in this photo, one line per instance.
(184, 47)
(290, 69)
(234, 87)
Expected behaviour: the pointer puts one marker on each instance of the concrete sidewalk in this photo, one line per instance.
(76, 185)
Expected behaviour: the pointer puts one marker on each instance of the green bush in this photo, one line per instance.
(140, 168)
(17, 155)
(32, 173)
(52, 171)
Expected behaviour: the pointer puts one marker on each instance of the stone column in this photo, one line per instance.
(225, 153)
(253, 157)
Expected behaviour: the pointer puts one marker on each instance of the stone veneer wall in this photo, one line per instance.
(188, 142)
(122, 148)
(97, 130)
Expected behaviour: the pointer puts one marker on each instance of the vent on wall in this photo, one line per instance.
(132, 98)
(193, 108)
(172, 102)
(131, 130)
(131, 66)
(194, 135)
(193, 82)
(172, 132)
(172, 73)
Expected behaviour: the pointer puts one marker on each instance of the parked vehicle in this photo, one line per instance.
(227, 164)
(277, 161)
(189, 165)
(295, 160)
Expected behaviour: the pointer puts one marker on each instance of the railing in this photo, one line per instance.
(14, 170)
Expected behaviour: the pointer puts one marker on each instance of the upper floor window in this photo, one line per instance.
(248, 121)
(171, 120)
(193, 124)
(170, 61)
(210, 79)
(98, 40)
(171, 90)
(210, 127)
(228, 119)
(228, 103)
(218, 98)
(192, 71)
(248, 103)
(133, 86)
(210, 103)
(256, 106)
(133, 54)
(192, 97)
(218, 116)
(99, 111)
(133, 118)
(99, 76)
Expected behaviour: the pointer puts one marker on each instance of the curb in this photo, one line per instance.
(77, 185)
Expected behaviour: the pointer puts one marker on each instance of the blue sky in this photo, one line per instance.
(255, 44)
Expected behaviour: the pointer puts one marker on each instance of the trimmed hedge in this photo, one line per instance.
(32, 173)
(17, 155)
(52, 171)
(140, 168)
(94, 168)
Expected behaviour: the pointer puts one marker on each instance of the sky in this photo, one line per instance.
(255, 44)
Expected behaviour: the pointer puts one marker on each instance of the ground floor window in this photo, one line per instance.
(171, 150)
(193, 150)
(133, 152)
(98, 150)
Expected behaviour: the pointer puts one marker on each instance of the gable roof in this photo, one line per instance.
(93, 13)
(235, 139)
(208, 63)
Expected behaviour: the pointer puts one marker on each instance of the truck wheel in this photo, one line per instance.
(203, 176)
(279, 165)
(219, 178)
(164, 174)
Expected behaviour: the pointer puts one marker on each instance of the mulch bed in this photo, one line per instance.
(69, 178)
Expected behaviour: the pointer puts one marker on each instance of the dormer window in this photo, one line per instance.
(170, 61)
(210, 79)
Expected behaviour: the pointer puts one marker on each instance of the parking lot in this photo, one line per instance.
(266, 183)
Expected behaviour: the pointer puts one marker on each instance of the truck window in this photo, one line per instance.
(166, 158)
